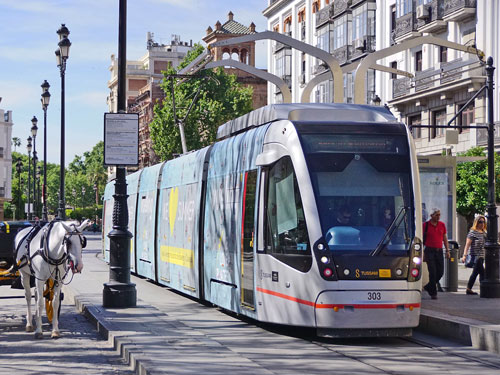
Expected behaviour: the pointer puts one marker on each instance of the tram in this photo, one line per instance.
(300, 214)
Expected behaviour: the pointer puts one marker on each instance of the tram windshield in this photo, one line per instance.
(362, 185)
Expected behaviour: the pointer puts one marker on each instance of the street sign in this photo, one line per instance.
(121, 139)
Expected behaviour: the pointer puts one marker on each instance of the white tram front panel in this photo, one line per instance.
(312, 270)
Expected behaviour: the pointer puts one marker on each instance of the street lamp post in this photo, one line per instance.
(45, 103)
(19, 169)
(62, 54)
(38, 178)
(29, 148)
(490, 285)
(96, 194)
(83, 196)
(34, 130)
(119, 291)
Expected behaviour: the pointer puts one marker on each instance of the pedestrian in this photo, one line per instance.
(434, 237)
(474, 246)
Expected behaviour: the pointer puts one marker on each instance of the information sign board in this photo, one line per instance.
(121, 139)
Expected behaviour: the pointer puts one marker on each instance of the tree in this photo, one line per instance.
(16, 142)
(472, 184)
(220, 99)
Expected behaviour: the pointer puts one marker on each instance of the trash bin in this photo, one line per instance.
(449, 280)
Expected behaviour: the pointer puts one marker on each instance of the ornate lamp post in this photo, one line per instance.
(62, 54)
(29, 148)
(19, 169)
(37, 196)
(45, 103)
(96, 194)
(34, 130)
(83, 196)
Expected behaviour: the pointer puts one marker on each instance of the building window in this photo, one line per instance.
(443, 54)
(418, 61)
(438, 118)
(467, 117)
(323, 38)
(283, 64)
(403, 7)
(315, 6)
(394, 65)
(276, 28)
(393, 18)
(1, 152)
(340, 32)
(287, 24)
(363, 21)
(412, 121)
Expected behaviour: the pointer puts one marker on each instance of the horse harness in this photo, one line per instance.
(44, 246)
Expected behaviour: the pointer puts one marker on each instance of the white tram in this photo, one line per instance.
(300, 214)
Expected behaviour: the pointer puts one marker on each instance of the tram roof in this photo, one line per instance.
(331, 112)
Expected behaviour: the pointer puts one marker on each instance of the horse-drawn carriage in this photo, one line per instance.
(43, 255)
(8, 232)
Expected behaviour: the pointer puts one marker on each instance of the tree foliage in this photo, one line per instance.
(81, 172)
(220, 99)
(472, 184)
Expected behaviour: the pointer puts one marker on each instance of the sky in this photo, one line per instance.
(28, 40)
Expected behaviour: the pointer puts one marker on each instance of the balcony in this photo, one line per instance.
(459, 10)
(277, 46)
(324, 16)
(452, 75)
(319, 67)
(340, 6)
(406, 28)
(430, 17)
(362, 46)
(343, 54)
(482, 135)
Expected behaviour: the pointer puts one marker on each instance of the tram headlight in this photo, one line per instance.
(399, 272)
(324, 259)
(417, 260)
(327, 272)
(321, 247)
(416, 246)
(347, 272)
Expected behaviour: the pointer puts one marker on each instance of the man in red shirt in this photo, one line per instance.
(434, 237)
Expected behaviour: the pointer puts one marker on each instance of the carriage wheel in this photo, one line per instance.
(48, 293)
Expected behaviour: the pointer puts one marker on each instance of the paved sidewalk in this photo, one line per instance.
(469, 319)
(140, 333)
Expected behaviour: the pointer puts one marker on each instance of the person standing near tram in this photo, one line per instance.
(434, 232)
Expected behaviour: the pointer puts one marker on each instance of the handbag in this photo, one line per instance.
(470, 260)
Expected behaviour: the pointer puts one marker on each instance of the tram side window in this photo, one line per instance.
(286, 234)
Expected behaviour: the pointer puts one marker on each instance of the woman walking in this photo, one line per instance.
(475, 246)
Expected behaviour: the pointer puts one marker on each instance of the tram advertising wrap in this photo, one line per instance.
(299, 214)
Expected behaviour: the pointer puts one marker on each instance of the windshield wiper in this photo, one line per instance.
(390, 231)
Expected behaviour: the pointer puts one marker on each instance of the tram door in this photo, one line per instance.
(247, 239)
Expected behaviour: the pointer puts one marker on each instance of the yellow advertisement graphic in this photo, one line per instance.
(177, 255)
(172, 208)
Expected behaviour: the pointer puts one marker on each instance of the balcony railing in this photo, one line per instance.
(482, 134)
(452, 71)
(277, 46)
(405, 25)
(453, 5)
(340, 6)
(324, 16)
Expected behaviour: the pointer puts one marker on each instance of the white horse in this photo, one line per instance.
(49, 254)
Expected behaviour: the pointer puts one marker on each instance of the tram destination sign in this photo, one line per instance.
(121, 139)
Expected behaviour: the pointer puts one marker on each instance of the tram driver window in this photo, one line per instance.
(286, 234)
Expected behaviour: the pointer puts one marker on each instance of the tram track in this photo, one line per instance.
(467, 354)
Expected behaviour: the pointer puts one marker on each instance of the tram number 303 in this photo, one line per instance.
(374, 296)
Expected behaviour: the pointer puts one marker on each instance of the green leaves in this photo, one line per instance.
(221, 98)
(472, 184)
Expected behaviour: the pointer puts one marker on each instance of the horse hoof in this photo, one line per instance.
(38, 335)
(55, 335)
(29, 329)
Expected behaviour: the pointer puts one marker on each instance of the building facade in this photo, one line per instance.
(5, 158)
(444, 79)
(143, 86)
(242, 52)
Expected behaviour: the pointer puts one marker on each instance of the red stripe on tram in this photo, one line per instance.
(340, 306)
